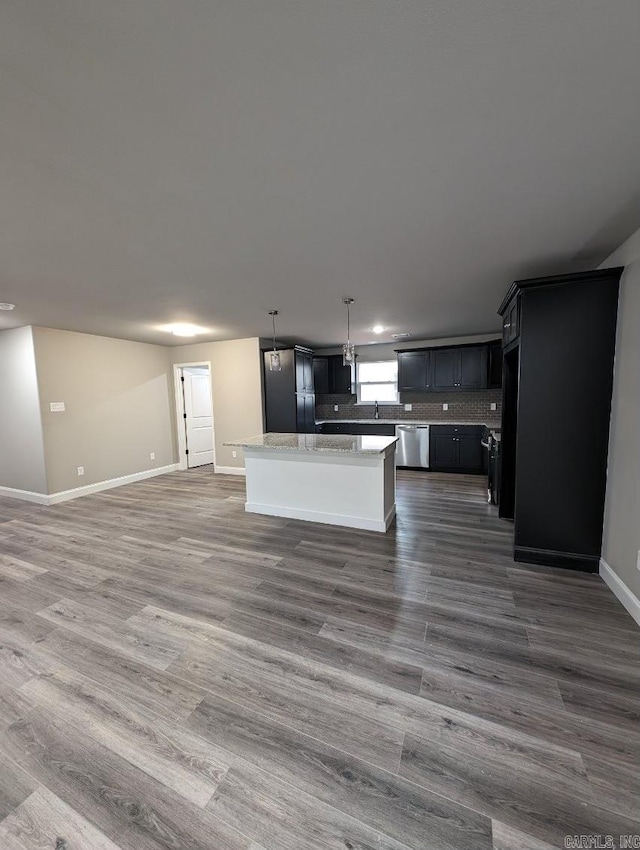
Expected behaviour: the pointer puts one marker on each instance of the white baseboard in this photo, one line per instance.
(320, 516)
(25, 495)
(229, 470)
(620, 589)
(109, 484)
(98, 487)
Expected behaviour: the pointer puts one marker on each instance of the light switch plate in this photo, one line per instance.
(56, 407)
(408, 407)
(152, 455)
(494, 406)
(335, 408)
(81, 470)
(445, 406)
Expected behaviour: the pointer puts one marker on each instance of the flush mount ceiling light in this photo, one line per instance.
(348, 349)
(183, 329)
(4, 305)
(274, 357)
(378, 329)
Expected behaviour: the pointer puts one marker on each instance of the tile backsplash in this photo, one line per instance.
(472, 406)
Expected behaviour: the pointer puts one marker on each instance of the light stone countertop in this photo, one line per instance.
(493, 425)
(322, 443)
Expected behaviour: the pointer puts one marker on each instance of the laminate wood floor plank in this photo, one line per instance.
(386, 802)
(523, 797)
(122, 801)
(44, 821)
(176, 673)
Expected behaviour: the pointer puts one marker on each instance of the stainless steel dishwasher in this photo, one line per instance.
(412, 448)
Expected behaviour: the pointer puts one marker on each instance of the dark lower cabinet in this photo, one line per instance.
(364, 428)
(456, 448)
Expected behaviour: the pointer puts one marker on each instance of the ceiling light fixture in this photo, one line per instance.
(183, 329)
(348, 349)
(377, 329)
(274, 357)
(4, 305)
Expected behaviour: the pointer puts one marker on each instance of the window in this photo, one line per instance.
(377, 382)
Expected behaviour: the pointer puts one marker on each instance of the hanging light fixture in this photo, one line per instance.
(348, 349)
(274, 357)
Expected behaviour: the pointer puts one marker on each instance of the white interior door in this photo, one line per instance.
(196, 382)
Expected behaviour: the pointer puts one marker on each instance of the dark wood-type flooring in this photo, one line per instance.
(175, 673)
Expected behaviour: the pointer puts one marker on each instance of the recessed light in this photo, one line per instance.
(6, 306)
(183, 329)
(377, 329)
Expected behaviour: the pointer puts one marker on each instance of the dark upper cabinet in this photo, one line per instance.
(304, 370)
(456, 368)
(321, 375)
(342, 378)
(456, 448)
(331, 376)
(445, 368)
(494, 364)
(556, 407)
(472, 368)
(511, 321)
(414, 371)
(289, 397)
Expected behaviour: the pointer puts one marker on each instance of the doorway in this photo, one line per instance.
(194, 407)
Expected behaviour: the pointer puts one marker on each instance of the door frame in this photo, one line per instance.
(179, 408)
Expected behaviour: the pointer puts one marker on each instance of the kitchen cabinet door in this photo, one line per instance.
(442, 451)
(321, 375)
(470, 453)
(413, 371)
(341, 377)
(472, 368)
(309, 414)
(445, 368)
(494, 366)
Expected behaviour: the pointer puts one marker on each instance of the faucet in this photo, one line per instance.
(377, 413)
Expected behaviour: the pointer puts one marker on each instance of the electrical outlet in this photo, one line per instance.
(408, 407)
(81, 470)
(445, 406)
(494, 406)
(152, 455)
(56, 407)
(234, 453)
(335, 408)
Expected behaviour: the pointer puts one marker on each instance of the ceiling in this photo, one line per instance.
(208, 160)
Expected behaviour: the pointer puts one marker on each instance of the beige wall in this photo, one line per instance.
(236, 385)
(118, 402)
(22, 465)
(622, 512)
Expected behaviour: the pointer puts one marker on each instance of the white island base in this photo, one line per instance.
(333, 479)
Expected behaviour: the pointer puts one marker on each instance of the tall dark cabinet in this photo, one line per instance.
(290, 402)
(558, 352)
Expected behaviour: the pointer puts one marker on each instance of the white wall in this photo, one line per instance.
(621, 544)
(22, 464)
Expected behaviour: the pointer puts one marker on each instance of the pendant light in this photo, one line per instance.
(274, 357)
(348, 349)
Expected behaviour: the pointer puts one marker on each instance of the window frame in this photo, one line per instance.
(359, 383)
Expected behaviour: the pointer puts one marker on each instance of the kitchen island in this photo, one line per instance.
(336, 479)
